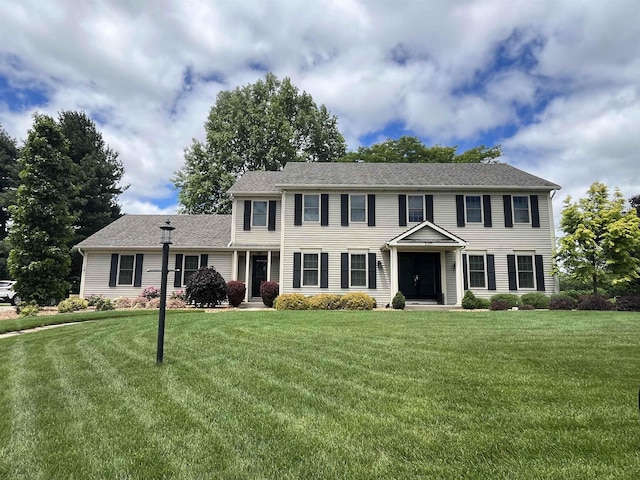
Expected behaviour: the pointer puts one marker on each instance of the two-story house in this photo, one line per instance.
(431, 231)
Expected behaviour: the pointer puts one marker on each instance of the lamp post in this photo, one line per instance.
(166, 241)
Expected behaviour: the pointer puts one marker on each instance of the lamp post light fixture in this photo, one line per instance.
(165, 241)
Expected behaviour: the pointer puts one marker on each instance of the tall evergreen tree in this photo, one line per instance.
(8, 186)
(96, 173)
(39, 237)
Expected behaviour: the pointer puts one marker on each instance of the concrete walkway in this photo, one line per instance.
(36, 329)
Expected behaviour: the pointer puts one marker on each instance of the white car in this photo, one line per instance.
(7, 293)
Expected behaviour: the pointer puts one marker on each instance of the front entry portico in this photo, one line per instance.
(419, 276)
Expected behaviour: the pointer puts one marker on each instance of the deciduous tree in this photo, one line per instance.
(8, 186)
(260, 126)
(39, 260)
(600, 238)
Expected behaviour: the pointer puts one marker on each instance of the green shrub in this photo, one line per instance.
(469, 301)
(29, 310)
(536, 300)
(562, 301)
(324, 301)
(268, 292)
(235, 292)
(291, 301)
(206, 287)
(398, 302)
(93, 299)
(104, 304)
(357, 301)
(72, 304)
(511, 299)
(483, 303)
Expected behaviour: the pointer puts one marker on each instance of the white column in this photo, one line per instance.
(443, 276)
(268, 265)
(282, 238)
(394, 271)
(247, 258)
(459, 279)
(234, 265)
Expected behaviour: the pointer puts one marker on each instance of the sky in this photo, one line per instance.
(556, 83)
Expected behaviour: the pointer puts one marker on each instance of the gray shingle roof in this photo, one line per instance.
(256, 182)
(143, 231)
(409, 175)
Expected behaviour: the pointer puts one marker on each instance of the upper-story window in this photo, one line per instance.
(521, 209)
(474, 208)
(259, 214)
(416, 208)
(358, 208)
(311, 208)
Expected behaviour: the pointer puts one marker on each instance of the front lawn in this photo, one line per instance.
(325, 395)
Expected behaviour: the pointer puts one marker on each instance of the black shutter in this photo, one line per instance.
(465, 271)
(247, 215)
(535, 212)
(486, 205)
(428, 202)
(344, 270)
(204, 260)
(113, 273)
(324, 209)
(460, 210)
(272, 215)
(297, 211)
(402, 210)
(344, 210)
(177, 277)
(511, 269)
(539, 273)
(324, 270)
(491, 272)
(137, 279)
(508, 216)
(372, 270)
(297, 264)
(371, 210)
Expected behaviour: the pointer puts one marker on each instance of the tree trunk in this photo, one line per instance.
(595, 283)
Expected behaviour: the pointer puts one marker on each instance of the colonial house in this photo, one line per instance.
(431, 231)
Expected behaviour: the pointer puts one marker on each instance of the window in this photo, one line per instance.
(476, 271)
(474, 208)
(259, 214)
(190, 266)
(310, 269)
(416, 211)
(525, 271)
(358, 270)
(311, 208)
(125, 270)
(521, 209)
(358, 208)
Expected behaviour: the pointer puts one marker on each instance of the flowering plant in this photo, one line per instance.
(150, 292)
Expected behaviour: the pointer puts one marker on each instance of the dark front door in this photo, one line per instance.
(259, 273)
(419, 275)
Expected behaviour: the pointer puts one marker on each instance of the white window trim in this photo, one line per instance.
(302, 269)
(484, 257)
(304, 196)
(253, 211)
(533, 266)
(366, 268)
(409, 209)
(133, 269)
(466, 209)
(513, 209)
(364, 220)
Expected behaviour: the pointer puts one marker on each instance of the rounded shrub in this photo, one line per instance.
(562, 301)
(594, 302)
(483, 303)
(357, 301)
(500, 305)
(104, 304)
(176, 303)
(72, 304)
(399, 301)
(536, 300)
(138, 302)
(628, 303)
(291, 301)
(30, 309)
(153, 303)
(511, 299)
(123, 303)
(324, 301)
(268, 292)
(150, 292)
(235, 292)
(527, 306)
(206, 287)
(469, 301)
